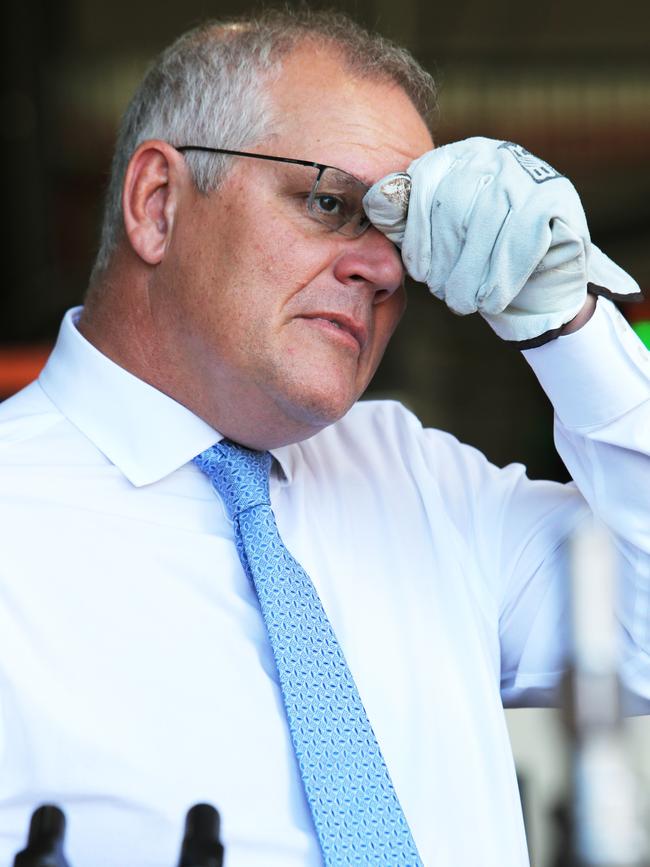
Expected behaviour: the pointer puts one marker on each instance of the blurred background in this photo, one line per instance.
(569, 80)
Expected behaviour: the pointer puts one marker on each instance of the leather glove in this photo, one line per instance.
(491, 228)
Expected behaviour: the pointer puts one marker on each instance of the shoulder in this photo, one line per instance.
(384, 441)
(36, 436)
(25, 417)
(388, 425)
(384, 436)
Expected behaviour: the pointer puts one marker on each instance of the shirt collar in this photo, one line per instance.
(146, 434)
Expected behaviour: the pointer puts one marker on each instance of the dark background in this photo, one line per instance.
(569, 80)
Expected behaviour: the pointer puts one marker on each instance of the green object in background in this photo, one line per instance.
(643, 330)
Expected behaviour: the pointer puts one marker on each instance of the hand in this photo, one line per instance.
(491, 228)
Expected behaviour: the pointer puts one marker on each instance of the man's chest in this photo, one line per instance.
(136, 666)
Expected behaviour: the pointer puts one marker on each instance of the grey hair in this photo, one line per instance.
(210, 87)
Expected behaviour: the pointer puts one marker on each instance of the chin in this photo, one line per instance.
(320, 406)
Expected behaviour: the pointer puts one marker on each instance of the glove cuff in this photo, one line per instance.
(633, 297)
(553, 333)
(540, 340)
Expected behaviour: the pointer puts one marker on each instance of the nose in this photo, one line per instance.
(373, 260)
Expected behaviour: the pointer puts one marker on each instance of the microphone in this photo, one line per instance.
(45, 840)
(201, 846)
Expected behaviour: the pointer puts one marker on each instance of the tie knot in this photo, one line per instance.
(239, 474)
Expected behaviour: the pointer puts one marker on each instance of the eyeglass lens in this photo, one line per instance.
(336, 200)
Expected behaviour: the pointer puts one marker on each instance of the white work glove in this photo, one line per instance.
(491, 228)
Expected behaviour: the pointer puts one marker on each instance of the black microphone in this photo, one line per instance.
(201, 846)
(45, 840)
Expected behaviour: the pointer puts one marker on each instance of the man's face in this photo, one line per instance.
(281, 321)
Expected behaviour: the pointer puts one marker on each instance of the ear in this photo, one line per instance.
(150, 196)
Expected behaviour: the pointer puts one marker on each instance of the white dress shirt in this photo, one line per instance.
(136, 677)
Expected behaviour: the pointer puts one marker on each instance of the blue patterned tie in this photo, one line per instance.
(356, 813)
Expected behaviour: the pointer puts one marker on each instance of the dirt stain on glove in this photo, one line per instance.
(398, 191)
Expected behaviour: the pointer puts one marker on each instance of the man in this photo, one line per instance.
(245, 297)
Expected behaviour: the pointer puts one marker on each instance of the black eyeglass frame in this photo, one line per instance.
(320, 166)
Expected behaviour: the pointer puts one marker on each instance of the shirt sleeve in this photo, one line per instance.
(598, 380)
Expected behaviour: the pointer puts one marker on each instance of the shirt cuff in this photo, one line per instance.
(595, 374)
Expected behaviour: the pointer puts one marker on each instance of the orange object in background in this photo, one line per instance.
(19, 365)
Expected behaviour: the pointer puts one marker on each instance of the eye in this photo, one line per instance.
(325, 203)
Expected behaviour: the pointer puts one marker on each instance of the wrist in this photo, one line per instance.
(582, 317)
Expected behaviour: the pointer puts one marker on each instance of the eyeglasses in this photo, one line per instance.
(336, 197)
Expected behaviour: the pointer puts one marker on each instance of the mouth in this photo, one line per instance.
(349, 329)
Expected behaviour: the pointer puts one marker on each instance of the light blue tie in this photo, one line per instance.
(356, 813)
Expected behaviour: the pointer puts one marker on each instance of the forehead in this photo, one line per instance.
(326, 113)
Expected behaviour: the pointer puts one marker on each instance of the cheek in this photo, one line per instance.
(389, 314)
(288, 262)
